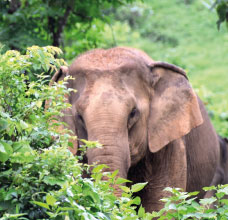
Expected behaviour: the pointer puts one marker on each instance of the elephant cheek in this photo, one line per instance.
(138, 153)
(138, 145)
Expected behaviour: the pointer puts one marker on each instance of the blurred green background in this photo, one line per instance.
(181, 32)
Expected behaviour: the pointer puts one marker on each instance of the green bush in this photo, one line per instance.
(50, 185)
(25, 127)
(182, 205)
(24, 124)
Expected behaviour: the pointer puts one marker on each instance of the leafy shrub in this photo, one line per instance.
(182, 205)
(50, 185)
(23, 122)
(25, 128)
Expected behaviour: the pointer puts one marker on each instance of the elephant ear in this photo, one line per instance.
(59, 75)
(68, 117)
(174, 109)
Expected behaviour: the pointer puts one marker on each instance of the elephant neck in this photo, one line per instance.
(138, 173)
(147, 167)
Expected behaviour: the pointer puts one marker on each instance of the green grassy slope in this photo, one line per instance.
(186, 35)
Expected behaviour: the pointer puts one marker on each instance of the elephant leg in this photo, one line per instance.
(166, 168)
(220, 176)
(217, 179)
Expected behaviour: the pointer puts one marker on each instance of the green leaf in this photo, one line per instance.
(207, 201)
(26, 157)
(5, 151)
(98, 177)
(136, 200)
(137, 187)
(88, 216)
(91, 144)
(44, 205)
(208, 188)
(193, 193)
(23, 124)
(172, 206)
(220, 195)
(223, 189)
(125, 189)
(141, 212)
(53, 180)
(50, 200)
(15, 216)
(2, 148)
(70, 144)
(99, 168)
(22, 147)
(224, 201)
(91, 194)
(3, 124)
(121, 180)
(39, 104)
(114, 174)
(101, 215)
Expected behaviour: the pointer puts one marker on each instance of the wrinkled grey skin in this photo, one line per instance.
(151, 124)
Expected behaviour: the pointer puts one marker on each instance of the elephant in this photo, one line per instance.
(221, 174)
(151, 124)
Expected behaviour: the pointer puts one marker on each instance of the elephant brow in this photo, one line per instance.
(168, 66)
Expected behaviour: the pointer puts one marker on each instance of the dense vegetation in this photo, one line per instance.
(45, 22)
(42, 180)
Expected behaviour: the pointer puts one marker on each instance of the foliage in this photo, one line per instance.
(42, 22)
(23, 124)
(182, 205)
(222, 11)
(40, 178)
(49, 184)
(84, 36)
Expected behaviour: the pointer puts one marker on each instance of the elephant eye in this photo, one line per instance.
(133, 117)
(133, 113)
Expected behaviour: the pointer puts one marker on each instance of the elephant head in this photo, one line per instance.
(129, 103)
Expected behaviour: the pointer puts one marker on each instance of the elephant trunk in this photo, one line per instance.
(114, 152)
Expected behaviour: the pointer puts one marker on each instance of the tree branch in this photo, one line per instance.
(82, 16)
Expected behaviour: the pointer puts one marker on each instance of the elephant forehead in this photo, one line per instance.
(108, 89)
(105, 93)
(110, 59)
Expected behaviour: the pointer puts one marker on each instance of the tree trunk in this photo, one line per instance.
(56, 26)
